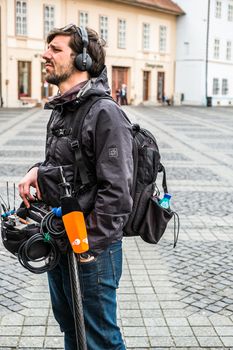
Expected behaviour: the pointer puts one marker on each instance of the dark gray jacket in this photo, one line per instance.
(107, 152)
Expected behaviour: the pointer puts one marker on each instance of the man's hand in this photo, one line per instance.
(29, 180)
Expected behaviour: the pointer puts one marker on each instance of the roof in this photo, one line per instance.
(167, 6)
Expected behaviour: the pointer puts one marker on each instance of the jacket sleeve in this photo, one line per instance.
(111, 139)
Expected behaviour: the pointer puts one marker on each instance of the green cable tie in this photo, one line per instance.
(47, 237)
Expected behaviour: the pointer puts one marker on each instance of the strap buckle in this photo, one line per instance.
(75, 144)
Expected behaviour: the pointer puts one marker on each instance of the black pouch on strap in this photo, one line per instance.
(155, 221)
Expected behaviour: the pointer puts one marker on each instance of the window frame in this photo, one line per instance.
(218, 9)
(121, 33)
(216, 49)
(216, 87)
(146, 36)
(162, 38)
(103, 30)
(51, 27)
(230, 12)
(225, 87)
(228, 50)
(86, 21)
(23, 32)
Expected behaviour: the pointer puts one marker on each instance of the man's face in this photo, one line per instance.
(58, 60)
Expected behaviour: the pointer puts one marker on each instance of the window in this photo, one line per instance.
(21, 18)
(224, 86)
(230, 12)
(228, 51)
(218, 9)
(216, 48)
(215, 86)
(104, 27)
(83, 19)
(24, 79)
(48, 19)
(146, 36)
(121, 33)
(162, 38)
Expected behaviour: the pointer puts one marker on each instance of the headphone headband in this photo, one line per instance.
(83, 61)
(83, 35)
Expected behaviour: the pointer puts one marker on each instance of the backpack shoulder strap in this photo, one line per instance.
(76, 142)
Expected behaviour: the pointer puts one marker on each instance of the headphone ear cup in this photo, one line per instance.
(80, 65)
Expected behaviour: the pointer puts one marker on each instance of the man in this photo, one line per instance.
(74, 61)
(123, 94)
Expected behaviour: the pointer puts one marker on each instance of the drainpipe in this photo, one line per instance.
(0, 55)
(207, 53)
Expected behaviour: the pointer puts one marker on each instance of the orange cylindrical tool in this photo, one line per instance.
(73, 218)
(76, 231)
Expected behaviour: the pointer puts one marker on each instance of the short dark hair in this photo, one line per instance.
(95, 46)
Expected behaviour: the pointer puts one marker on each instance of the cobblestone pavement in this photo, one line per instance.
(169, 298)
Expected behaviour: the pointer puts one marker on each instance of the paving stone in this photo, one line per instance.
(181, 321)
(227, 341)
(54, 343)
(132, 322)
(158, 331)
(31, 342)
(134, 331)
(132, 313)
(54, 331)
(203, 331)
(12, 320)
(161, 341)
(185, 341)
(209, 341)
(129, 305)
(9, 330)
(156, 313)
(182, 331)
(139, 342)
(219, 320)
(33, 331)
(224, 331)
(7, 341)
(149, 305)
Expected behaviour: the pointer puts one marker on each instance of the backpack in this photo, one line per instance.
(147, 218)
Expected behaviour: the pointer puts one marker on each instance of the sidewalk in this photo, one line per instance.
(169, 298)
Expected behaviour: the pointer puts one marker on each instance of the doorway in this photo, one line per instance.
(160, 86)
(146, 85)
(46, 88)
(119, 76)
(24, 79)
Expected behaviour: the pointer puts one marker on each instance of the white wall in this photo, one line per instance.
(191, 57)
(191, 51)
(222, 29)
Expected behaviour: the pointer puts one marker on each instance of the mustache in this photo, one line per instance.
(48, 62)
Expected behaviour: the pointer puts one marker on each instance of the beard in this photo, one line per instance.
(58, 78)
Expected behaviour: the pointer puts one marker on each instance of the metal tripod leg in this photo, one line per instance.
(77, 302)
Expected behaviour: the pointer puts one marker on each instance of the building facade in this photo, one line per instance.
(140, 45)
(204, 65)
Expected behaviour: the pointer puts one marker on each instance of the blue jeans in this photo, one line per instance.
(99, 280)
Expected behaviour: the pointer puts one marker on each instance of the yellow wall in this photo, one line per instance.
(66, 11)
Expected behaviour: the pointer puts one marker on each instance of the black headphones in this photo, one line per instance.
(83, 61)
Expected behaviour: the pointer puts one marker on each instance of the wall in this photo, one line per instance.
(32, 47)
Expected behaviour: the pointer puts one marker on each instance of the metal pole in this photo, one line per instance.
(77, 301)
(207, 50)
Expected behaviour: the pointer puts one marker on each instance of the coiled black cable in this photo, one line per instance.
(52, 224)
(45, 249)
